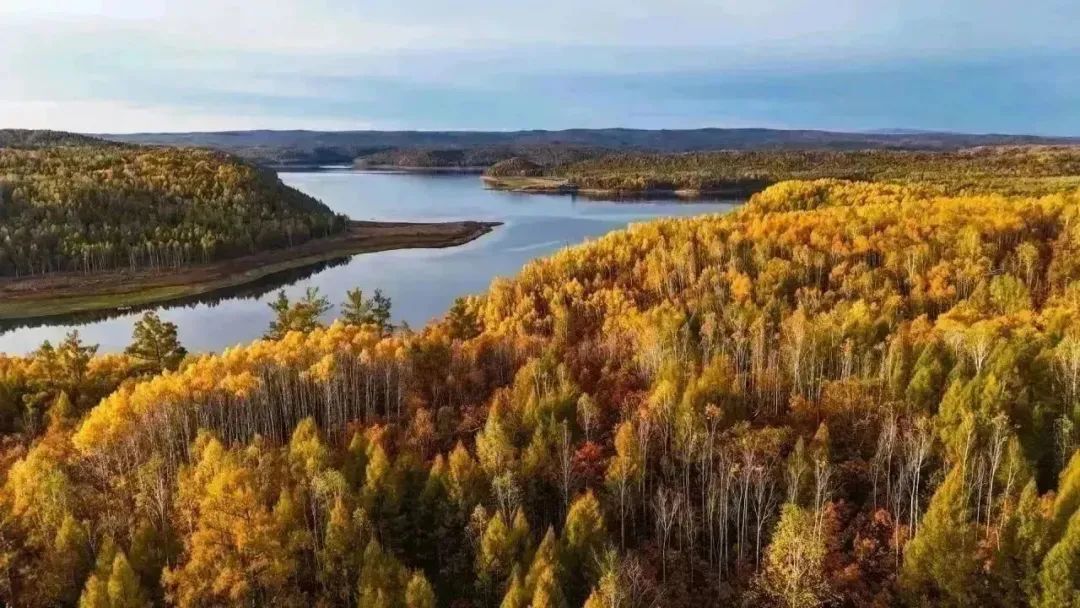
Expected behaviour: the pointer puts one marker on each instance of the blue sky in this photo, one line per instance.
(171, 65)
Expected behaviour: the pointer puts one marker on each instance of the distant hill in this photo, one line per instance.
(342, 147)
(31, 138)
(75, 203)
(1014, 170)
(478, 156)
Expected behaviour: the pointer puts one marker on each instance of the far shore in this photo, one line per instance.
(557, 185)
(57, 294)
(407, 169)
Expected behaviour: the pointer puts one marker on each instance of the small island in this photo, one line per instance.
(88, 225)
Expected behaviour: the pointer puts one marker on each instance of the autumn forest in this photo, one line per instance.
(78, 204)
(857, 390)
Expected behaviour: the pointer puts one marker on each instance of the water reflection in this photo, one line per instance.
(421, 282)
(255, 289)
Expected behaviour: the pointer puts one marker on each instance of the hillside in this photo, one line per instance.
(341, 147)
(27, 138)
(850, 394)
(474, 158)
(1004, 169)
(67, 206)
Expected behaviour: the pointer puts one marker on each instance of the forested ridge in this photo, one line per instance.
(70, 205)
(308, 148)
(843, 394)
(476, 157)
(1020, 170)
(39, 138)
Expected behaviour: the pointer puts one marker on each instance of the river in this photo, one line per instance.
(422, 283)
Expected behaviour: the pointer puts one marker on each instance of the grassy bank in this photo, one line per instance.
(67, 293)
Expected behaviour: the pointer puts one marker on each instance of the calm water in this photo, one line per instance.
(421, 282)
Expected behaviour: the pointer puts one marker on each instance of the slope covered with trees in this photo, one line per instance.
(337, 147)
(843, 394)
(1010, 170)
(35, 138)
(67, 206)
(475, 158)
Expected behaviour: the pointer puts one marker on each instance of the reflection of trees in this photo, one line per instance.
(253, 290)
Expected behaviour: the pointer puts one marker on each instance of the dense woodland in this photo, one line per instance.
(516, 166)
(312, 148)
(1019, 170)
(41, 138)
(843, 394)
(66, 206)
(477, 157)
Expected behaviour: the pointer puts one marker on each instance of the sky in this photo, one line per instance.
(111, 66)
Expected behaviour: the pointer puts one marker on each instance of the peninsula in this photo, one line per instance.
(88, 225)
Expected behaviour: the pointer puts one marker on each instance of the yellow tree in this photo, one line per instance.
(234, 552)
(123, 588)
(418, 593)
(793, 575)
(624, 471)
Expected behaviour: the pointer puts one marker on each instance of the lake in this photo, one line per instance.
(422, 283)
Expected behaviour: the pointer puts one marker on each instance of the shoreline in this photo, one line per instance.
(59, 294)
(554, 185)
(452, 170)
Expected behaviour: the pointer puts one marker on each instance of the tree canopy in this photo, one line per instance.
(67, 204)
(842, 394)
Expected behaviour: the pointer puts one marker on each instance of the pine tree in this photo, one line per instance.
(1019, 552)
(356, 459)
(62, 412)
(595, 600)
(517, 596)
(418, 593)
(380, 494)
(155, 343)
(301, 316)
(548, 594)
(95, 594)
(494, 448)
(1060, 574)
(545, 560)
(68, 559)
(467, 483)
(106, 557)
(520, 535)
(382, 578)
(940, 564)
(340, 556)
(150, 550)
(584, 540)
(496, 555)
(356, 310)
(1067, 501)
(124, 588)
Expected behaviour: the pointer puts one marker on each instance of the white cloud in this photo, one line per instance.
(353, 26)
(168, 64)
